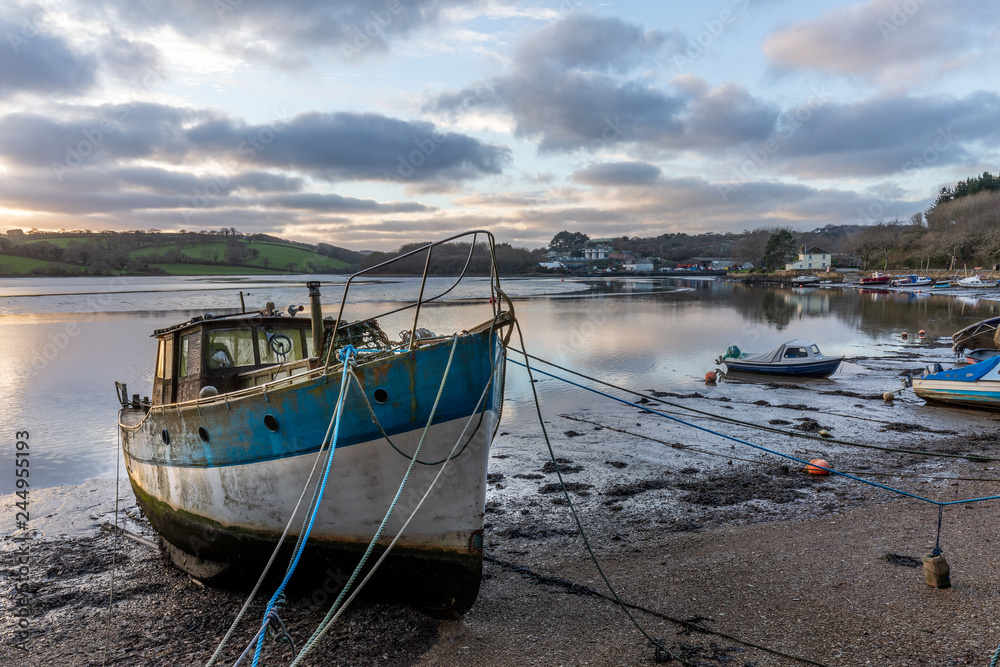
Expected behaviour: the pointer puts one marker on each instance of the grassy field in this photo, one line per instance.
(272, 258)
(12, 264)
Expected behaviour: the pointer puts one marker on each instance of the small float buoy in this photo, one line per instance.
(888, 396)
(904, 334)
(813, 470)
(710, 377)
(921, 333)
(823, 433)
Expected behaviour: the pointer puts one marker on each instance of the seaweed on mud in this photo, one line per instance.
(779, 422)
(578, 488)
(852, 394)
(661, 394)
(762, 403)
(572, 434)
(902, 561)
(564, 467)
(794, 406)
(494, 477)
(536, 533)
(716, 654)
(634, 488)
(616, 464)
(808, 424)
(782, 385)
(529, 476)
(744, 485)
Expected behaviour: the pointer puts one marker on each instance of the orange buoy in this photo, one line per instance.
(904, 334)
(813, 470)
(921, 333)
(710, 377)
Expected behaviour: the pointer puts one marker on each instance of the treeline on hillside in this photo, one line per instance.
(970, 186)
(449, 259)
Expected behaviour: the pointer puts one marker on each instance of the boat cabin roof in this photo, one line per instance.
(793, 351)
(208, 320)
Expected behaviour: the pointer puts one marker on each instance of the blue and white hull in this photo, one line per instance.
(976, 385)
(219, 477)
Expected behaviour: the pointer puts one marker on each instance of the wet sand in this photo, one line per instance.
(701, 533)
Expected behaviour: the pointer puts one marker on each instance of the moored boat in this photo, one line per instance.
(911, 280)
(976, 385)
(794, 358)
(977, 281)
(982, 334)
(876, 278)
(246, 406)
(980, 354)
(805, 280)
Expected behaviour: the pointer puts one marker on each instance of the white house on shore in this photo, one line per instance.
(596, 252)
(812, 258)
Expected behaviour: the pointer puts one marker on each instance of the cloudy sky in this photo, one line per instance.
(372, 123)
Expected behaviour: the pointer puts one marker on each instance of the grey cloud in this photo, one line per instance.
(594, 43)
(339, 204)
(886, 135)
(39, 62)
(618, 173)
(136, 62)
(333, 146)
(568, 89)
(348, 146)
(283, 33)
(881, 38)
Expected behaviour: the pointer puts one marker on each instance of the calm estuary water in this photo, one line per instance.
(63, 342)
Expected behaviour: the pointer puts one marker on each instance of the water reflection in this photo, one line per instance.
(57, 369)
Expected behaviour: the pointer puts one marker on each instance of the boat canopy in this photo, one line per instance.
(970, 373)
(793, 349)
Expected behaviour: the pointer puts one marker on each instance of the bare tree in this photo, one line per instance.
(750, 248)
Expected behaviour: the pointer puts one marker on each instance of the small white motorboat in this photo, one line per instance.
(977, 281)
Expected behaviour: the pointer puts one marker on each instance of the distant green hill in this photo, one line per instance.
(152, 253)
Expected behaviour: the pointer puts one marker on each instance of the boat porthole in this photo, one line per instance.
(380, 395)
(165, 435)
(203, 434)
(271, 423)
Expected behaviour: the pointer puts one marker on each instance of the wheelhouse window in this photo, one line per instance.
(815, 349)
(165, 359)
(796, 352)
(279, 344)
(230, 347)
(190, 361)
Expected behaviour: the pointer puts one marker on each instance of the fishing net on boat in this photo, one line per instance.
(363, 335)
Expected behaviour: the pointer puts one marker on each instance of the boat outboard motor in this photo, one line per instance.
(934, 368)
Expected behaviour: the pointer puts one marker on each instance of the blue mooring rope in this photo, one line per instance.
(347, 353)
(646, 408)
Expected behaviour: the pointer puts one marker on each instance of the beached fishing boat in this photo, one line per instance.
(982, 334)
(796, 358)
(805, 280)
(977, 385)
(244, 405)
(976, 281)
(876, 278)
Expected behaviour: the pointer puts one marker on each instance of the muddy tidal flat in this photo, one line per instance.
(726, 554)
